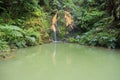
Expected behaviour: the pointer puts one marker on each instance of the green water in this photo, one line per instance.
(62, 62)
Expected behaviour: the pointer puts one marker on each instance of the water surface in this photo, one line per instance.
(62, 61)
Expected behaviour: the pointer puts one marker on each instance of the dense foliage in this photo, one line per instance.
(22, 23)
(27, 22)
(97, 22)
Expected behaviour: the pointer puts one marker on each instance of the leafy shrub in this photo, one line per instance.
(105, 39)
(72, 40)
(3, 45)
(33, 37)
(86, 18)
(11, 34)
(17, 37)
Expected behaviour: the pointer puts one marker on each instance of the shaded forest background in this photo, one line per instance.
(26, 23)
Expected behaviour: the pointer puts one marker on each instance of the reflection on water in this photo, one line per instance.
(54, 54)
(62, 61)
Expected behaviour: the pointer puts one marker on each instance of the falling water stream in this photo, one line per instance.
(55, 36)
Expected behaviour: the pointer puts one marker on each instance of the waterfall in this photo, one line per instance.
(53, 27)
(55, 36)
